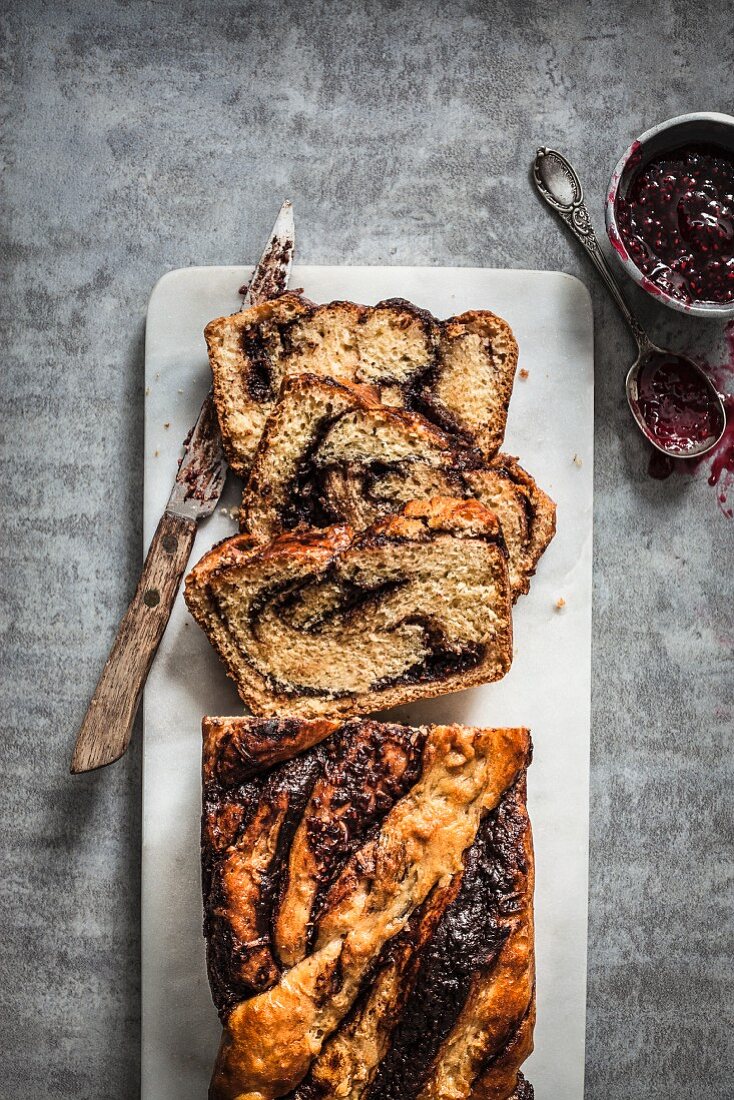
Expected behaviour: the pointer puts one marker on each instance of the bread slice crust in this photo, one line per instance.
(459, 373)
(368, 910)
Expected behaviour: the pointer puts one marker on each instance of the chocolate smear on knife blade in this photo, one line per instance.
(202, 470)
(271, 274)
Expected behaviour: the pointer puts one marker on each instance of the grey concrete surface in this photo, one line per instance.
(138, 137)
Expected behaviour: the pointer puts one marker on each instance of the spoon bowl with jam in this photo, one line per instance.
(674, 402)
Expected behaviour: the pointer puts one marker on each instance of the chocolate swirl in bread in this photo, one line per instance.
(459, 373)
(368, 910)
(331, 452)
(332, 623)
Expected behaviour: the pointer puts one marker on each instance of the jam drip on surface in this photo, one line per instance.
(721, 471)
(720, 461)
(675, 404)
(676, 222)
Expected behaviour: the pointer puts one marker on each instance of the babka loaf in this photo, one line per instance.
(326, 622)
(459, 373)
(331, 452)
(368, 910)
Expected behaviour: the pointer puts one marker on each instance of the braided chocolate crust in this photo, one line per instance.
(411, 359)
(368, 910)
(329, 623)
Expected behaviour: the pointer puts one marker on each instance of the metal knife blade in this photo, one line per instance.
(271, 274)
(107, 726)
(203, 470)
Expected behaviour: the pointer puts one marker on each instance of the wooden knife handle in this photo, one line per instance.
(105, 732)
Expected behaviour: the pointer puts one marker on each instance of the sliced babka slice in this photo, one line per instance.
(368, 910)
(459, 373)
(331, 452)
(333, 623)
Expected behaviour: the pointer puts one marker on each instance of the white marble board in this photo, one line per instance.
(550, 428)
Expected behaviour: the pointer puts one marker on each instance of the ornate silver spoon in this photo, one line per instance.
(675, 404)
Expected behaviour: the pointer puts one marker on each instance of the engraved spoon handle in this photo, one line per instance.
(559, 185)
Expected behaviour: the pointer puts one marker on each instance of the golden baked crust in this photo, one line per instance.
(368, 911)
(459, 373)
(332, 452)
(329, 623)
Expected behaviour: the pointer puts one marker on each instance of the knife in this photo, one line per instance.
(105, 732)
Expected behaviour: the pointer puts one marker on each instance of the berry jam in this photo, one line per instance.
(677, 223)
(676, 405)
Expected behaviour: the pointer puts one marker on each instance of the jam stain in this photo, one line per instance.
(721, 472)
(722, 464)
(660, 466)
(676, 222)
(720, 461)
(675, 404)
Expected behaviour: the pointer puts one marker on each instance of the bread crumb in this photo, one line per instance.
(147, 390)
(157, 376)
(524, 374)
(577, 460)
(180, 391)
(167, 424)
(156, 452)
(560, 603)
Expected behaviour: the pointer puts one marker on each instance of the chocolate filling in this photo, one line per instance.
(367, 768)
(239, 760)
(238, 970)
(299, 776)
(524, 1090)
(467, 940)
(367, 771)
(308, 501)
(403, 954)
(354, 598)
(418, 397)
(260, 372)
